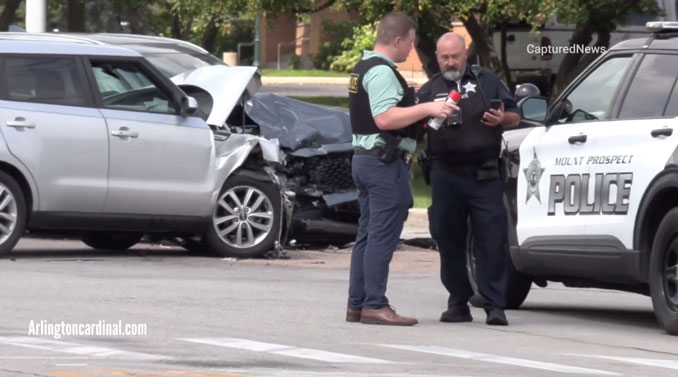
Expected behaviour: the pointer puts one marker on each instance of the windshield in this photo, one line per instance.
(175, 63)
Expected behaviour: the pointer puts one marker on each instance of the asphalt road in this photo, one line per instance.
(212, 317)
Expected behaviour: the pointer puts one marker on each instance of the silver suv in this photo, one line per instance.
(95, 140)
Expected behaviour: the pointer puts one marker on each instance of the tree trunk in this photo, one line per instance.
(176, 27)
(483, 46)
(426, 50)
(582, 35)
(131, 14)
(8, 14)
(76, 15)
(504, 61)
(209, 38)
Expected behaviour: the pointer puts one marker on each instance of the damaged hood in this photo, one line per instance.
(303, 129)
(226, 85)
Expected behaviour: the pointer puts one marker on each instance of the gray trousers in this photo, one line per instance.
(385, 195)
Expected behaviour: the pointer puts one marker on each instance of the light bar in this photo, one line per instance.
(661, 25)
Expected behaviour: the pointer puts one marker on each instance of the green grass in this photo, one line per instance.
(327, 101)
(301, 73)
(420, 191)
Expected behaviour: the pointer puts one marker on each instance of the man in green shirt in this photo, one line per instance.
(383, 115)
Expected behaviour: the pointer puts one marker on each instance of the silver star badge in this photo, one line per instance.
(533, 174)
(469, 87)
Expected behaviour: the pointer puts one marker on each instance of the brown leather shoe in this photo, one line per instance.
(385, 316)
(353, 315)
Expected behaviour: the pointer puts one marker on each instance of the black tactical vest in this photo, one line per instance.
(362, 122)
(471, 141)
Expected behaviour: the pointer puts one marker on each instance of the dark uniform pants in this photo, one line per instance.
(385, 196)
(457, 198)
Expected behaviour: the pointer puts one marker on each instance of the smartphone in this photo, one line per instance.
(495, 104)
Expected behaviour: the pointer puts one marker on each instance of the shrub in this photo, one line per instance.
(363, 38)
(336, 33)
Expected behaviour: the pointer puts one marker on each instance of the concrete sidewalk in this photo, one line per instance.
(416, 225)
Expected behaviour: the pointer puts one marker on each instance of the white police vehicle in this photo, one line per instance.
(593, 184)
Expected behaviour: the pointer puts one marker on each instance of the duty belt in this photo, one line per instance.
(376, 152)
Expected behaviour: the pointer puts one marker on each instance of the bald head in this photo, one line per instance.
(451, 55)
(450, 38)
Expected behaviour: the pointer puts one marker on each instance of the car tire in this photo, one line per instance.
(111, 240)
(13, 213)
(247, 217)
(664, 273)
(518, 284)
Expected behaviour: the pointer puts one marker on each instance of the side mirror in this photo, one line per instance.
(534, 108)
(188, 105)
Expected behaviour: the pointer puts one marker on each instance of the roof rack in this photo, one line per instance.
(657, 26)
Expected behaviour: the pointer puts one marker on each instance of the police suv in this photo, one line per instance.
(593, 183)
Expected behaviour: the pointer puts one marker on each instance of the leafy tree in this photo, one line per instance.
(363, 38)
(482, 17)
(8, 14)
(591, 17)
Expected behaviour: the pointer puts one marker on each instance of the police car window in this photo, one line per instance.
(125, 86)
(650, 89)
(592, 98)
(47, 80)
(672, 105)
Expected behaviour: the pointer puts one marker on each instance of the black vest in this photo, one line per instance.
(362, 122)
(471, 141)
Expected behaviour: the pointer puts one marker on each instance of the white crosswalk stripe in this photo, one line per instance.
(280, 349)
(486, 357)
(659, 363)
(77, 349)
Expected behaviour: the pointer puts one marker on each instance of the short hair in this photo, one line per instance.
(394, 24)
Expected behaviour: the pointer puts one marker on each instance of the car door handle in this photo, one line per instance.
(662, 132)
(20, 123)
(577, 139)
(124, 133)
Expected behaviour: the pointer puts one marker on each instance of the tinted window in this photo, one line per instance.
(672, 106)
(44, 80)
(125, 86)
(651, 86)
(592, 98)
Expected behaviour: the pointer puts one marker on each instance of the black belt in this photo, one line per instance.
(368, 152)
(376, 152)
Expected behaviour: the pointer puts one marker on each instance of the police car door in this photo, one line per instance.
(556, 185)
(633, 149)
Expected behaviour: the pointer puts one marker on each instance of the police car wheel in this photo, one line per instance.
(246, 219)
(664, 273)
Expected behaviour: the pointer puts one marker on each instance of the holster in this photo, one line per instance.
(489, 169)
(390, 151)
(425, 164)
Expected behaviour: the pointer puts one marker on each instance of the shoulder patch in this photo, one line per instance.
(353, 83)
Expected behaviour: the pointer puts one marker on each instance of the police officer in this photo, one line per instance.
(382, 109)
(465, 181)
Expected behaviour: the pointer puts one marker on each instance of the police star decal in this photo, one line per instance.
(469, 87)
(533, 174)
